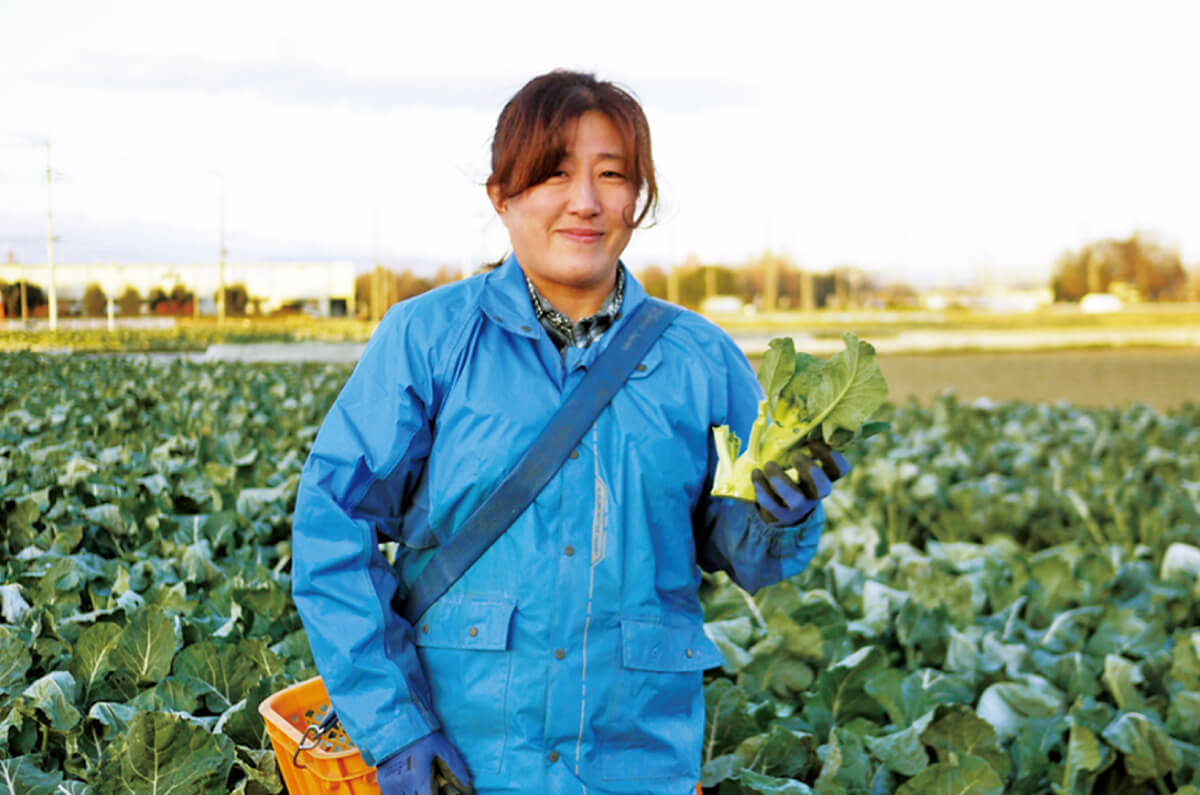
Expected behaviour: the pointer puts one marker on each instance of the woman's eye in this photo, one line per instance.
(612, 175)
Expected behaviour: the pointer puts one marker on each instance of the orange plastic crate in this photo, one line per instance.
(334, 765)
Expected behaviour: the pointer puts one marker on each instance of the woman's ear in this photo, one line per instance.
(499, 202)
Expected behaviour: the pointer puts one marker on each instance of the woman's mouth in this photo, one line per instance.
(582, 235)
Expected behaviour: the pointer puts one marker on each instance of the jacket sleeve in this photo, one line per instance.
(365, 460)
(731, 535)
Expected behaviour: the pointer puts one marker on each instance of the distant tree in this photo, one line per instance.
(694, 279)
(407, 284)
(236, 299)
(181, 300)
(157, 300)
(1155, 270)
(824, 289)
(898, 296)
(95, 302)
(394, 287)
(445, 274)
(35, 297)
(654, 280)
(129, 304)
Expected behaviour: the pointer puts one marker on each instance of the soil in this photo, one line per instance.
(1161, 377)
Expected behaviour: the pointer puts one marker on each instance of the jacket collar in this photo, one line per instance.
(505, 300)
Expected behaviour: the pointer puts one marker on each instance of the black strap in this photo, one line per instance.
(543, 458)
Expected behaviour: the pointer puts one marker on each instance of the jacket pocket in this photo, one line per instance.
(463, 643)
(660, 694)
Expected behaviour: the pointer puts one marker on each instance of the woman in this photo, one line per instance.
(569, 657)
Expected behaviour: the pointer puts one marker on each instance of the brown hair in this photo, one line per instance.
(528, 144)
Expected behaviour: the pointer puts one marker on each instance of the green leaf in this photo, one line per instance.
(115, 718)
(54, 694)
(1122, 677)
(93, 654)
(146, 646)
(957, 730)
(846, 767)
(722, 768)
(969, 775)
(1147, 749)
(775, 372)
(850, 390)
(15, 660)
(907, 697)
(840, 693)
(1085, 755)
(259, 767)
(22, 776)
(728, 718)
(785, 752)
(13, 606)
(244, 725)
(770, 785)
(1007, 704)
(1183, 716)
(903, 751)
(224, 671)
(162, 753)
(171, 694)
(1125, 631)
(731, 637)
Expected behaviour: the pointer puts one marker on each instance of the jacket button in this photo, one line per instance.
(688, 652)
(425, 628)
(641, 368)
(525, 328)
(568, 550)
(473, 631)
(574, 454)
(559, 654)
(553, 757)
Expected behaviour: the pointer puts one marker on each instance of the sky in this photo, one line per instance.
(956, 142)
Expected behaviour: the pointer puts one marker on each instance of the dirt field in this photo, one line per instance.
(1163, 378)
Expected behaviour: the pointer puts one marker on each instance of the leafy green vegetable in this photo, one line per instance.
(806, 398)
(959, 587)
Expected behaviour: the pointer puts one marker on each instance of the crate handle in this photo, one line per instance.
(317, 730)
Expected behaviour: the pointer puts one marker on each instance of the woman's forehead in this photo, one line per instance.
(594, 136)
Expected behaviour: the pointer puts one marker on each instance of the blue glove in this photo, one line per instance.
(430, 766)
(782, 500)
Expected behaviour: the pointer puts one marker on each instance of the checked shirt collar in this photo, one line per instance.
(566, 334)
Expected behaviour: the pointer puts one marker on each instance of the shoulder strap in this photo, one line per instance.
(543, 458)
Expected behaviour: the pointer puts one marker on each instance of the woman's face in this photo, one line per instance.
(569, 231)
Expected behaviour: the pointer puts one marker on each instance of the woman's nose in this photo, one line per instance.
(584, 199)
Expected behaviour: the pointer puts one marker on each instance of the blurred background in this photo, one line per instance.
(956, 182)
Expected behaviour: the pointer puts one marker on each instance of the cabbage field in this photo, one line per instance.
(1006, 599)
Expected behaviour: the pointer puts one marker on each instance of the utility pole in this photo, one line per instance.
(24, 302)
(221, 265)
(770, 281)
(49, 242)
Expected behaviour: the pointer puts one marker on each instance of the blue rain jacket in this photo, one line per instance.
(569, 658)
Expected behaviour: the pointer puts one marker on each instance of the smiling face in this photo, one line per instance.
(568, 231)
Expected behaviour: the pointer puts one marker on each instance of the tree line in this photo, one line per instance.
(129, 303)
(1137, 265)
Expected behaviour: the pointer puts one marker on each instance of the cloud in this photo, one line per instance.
(299, 82)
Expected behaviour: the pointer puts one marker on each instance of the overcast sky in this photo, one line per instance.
(927, 141)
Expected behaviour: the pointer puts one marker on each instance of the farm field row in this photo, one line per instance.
(820, 332)
(1006, 594)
